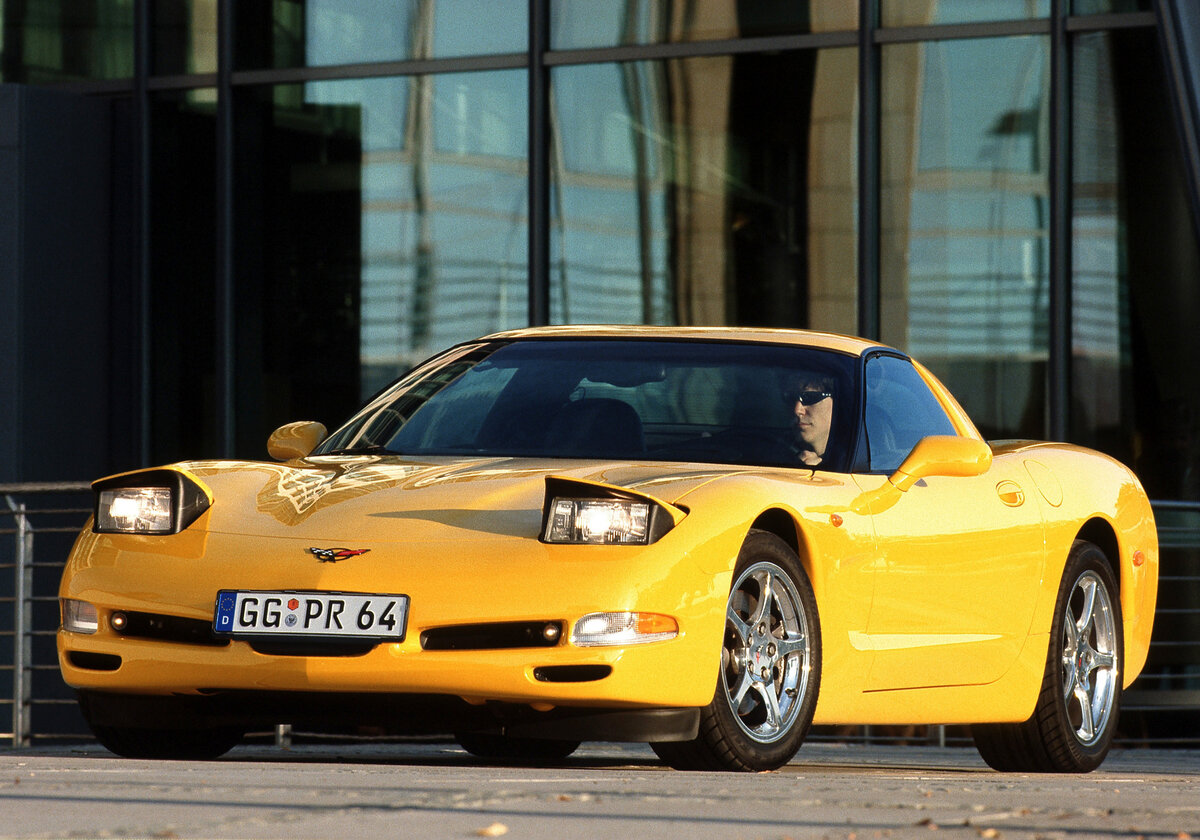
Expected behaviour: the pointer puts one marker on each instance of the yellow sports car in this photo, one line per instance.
(704, 539)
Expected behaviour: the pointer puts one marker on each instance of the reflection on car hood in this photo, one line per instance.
(373, 497)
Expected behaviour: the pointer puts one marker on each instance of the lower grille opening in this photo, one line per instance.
(571, 673)
(94, 661)
(302, 647)
(165, 628)
(493, 636)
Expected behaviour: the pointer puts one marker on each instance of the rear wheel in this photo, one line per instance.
(1073, 723)
(770, 667)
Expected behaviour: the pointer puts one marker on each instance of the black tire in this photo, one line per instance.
(184, 744)
(198, 743)
(770, 667)
(504, 748)
(1072, 725)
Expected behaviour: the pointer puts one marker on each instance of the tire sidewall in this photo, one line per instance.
(761, 546)
(1084, 557)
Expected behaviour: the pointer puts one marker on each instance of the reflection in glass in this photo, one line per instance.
(964, 254)
(922, 12)
(47, 41)
(325, 32)
(583, 24)
(1135, 289)
(706, 191)
(1100, 7)
(184, 36)
(397, 226)
(1135, 286)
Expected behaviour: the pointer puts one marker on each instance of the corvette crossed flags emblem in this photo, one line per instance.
(332, 555)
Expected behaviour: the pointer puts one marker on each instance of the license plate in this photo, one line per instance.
(311, 614)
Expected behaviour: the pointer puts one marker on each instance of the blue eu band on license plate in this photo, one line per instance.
(307, 614)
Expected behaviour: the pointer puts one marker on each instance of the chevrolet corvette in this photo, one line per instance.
(704, 539)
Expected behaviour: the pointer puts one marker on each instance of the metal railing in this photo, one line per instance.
(43, 519)
(54, 513)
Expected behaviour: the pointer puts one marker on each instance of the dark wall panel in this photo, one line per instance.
(54, 285)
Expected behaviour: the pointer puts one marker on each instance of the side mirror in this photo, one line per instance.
(947, 455)
(295, 440)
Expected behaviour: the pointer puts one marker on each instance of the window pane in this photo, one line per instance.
(580, 24)
(48, 41)
(1136, 307)
(392, 225)
(964, 222)
(708, 191)
(184, 36)
(323, 32)
(183, 254)
(1093, 7)
(921, 12)
(900, 411)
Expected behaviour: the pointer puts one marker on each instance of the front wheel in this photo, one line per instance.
(770, 667)
(180, 744)
(1073, 722)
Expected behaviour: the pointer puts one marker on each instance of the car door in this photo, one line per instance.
(959, 557)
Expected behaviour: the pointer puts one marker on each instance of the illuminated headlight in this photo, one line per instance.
(598, 521)
(622, 628)
(79, 616)
(158, 501)
(135, 510)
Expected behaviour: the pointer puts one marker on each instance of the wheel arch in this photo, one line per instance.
(780, 523)
(1101, 533)
(784, 525)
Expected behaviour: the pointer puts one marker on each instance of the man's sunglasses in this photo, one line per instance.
(811, 397)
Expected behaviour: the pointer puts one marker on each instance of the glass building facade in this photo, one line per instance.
(306, 197)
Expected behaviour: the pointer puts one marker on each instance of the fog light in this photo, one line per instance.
(623, 628)
(79, 616)
(551, 632)
(118, 621)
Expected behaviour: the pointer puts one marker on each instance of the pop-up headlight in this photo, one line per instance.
(151, 502)
(598, 521)
(590, 513)
(135, 510)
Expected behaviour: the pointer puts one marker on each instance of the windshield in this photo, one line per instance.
(712, 402)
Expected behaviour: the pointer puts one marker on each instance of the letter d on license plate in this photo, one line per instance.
(353, 615)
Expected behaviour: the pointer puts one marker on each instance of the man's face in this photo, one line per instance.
(814, 414)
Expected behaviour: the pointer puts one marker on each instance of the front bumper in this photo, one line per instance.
(449, 584)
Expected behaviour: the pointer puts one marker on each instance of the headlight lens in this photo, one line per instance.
(623, 628)
(135, 510)
(159, 501)
(598, 522)
(79, 616)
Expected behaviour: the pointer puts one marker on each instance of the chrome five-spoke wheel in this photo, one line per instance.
(1090, 677)
(766, 692)
(1075, 717)
(767, 652)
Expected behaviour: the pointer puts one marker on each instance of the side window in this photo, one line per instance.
(900, 410)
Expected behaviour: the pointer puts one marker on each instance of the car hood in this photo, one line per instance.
(387, 498)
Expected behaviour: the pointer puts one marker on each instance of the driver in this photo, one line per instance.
(811, 398)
